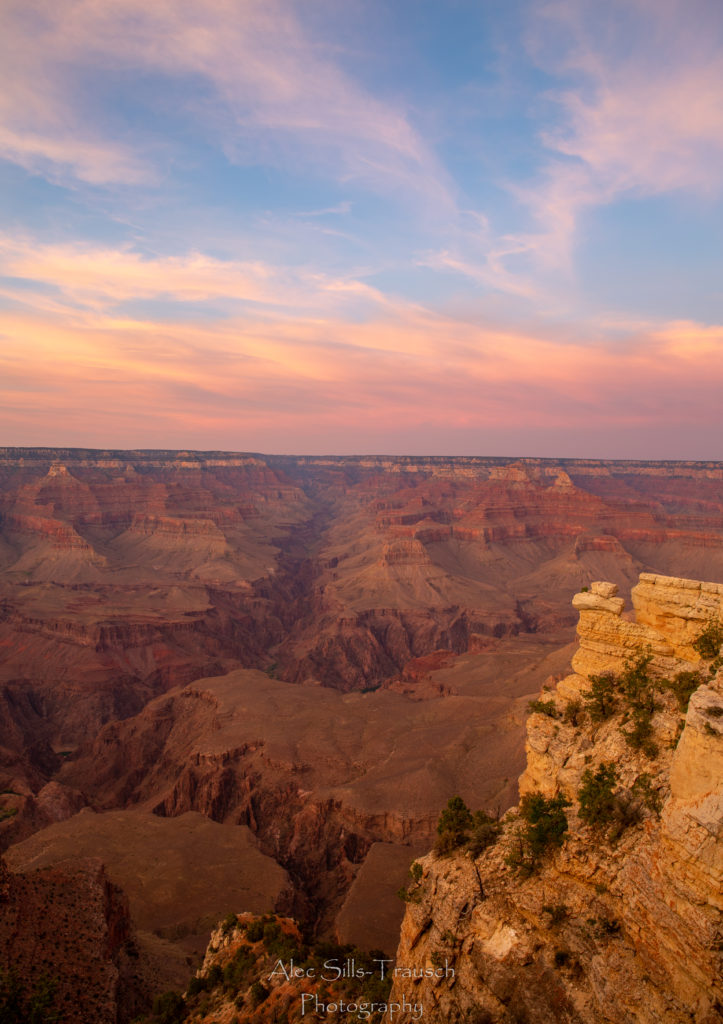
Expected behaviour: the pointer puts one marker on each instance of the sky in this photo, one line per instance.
(444, 227)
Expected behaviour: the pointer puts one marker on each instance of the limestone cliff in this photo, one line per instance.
(618, 919)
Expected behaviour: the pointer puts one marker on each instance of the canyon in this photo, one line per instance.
(295, 661)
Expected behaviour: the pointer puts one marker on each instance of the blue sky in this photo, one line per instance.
(416, 227)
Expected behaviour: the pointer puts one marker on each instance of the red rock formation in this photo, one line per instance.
(67, 927)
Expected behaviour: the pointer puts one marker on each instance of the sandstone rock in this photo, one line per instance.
(604, 931)
(678, 608)
(596, 602)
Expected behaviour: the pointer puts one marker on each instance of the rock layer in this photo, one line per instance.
(618, 926)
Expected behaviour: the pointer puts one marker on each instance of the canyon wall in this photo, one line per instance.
(622, 922)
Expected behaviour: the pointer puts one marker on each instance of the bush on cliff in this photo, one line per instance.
(545, 830)
(636, 684)
(485, 833)
(600, 698)
(169, 1008)
(683, 687)
(453, 826)
(640, 736)
(596, 794)
(543, 707)
(709, 643)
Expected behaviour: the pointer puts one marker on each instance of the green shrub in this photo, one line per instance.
(650, 797)
(683, 687)
(640, 738)
(453, 826)
(412, 895)
(237, 970)
(546, 821)
(544, 830)
(573, 712)
(169, 1008)
(600, 698)
(255, 929)
(214, 977)
(604, 808)
(635, 683)
(408, 895)
(597, 801)
(543, 707)
(19, 1006)
(259, 992)
(708, 643)
(485, 833)
(229, 923)
(195, 986)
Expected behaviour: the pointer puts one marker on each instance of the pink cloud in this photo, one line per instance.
(317, 379)
(275, 90)
(71, 276)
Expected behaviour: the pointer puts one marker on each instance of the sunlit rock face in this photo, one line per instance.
(623, 922)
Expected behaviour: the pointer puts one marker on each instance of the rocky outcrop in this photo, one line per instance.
(65, 933)
(622, 921)
(669, 614)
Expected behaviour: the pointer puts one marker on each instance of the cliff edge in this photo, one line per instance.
(599, 898)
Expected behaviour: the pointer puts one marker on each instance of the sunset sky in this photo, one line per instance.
(353, 226)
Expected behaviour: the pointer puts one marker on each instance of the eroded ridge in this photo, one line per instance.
(613, 914)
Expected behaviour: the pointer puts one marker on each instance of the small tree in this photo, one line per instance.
(600, 698)
(709, 643)
(641, 735)
(453, 826)
(485, 832)
(597, 800)
(169, 1008)
(543, 707)
(545, 830)
(573, 712)
(259, 992)
(683, 687)
(547, 821)
(636, 684)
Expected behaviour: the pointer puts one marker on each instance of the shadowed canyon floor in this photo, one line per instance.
(320, 650)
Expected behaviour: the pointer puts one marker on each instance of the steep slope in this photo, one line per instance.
(67, 947)
(618, 919)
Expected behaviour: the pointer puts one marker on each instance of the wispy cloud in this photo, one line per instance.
(645, 115)
(72, 276)
(309, 373)
(250, 76)
(638, 112)
(337, 210)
